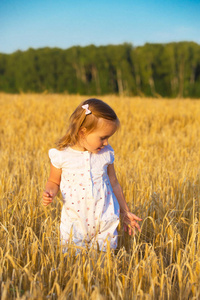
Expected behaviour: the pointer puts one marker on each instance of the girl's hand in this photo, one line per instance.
(47, 197)
(129, 221)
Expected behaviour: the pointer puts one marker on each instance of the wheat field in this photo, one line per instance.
(157, 161)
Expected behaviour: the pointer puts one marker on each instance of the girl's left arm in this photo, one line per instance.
(129, 219)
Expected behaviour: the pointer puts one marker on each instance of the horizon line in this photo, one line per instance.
(102, 45)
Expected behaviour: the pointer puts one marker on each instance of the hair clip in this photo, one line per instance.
(86, 107)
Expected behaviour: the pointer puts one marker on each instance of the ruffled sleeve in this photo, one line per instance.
(56, 158)
(111, 154)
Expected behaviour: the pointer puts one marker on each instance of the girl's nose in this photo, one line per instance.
(105, 142)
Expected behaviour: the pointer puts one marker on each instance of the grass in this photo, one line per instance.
(157, 161)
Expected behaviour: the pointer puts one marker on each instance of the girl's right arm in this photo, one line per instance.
(52, 185)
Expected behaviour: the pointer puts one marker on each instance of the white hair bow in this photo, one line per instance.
(86, 107)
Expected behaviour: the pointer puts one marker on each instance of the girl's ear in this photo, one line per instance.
(82, 132)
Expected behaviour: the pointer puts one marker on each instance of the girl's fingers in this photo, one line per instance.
(135, 224)
(131, 216)
(47, 194)
(135, 217)
(125, 227)
(131, 230)
(138, 227)
(130, 221)
(46, 202)
(47, 198)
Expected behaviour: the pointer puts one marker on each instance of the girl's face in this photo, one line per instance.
(97, 139)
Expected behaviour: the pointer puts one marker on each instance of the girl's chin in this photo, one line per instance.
(97, 150)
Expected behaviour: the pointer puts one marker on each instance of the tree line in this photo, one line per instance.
(167, 70)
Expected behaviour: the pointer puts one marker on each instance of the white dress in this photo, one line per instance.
(90, 210)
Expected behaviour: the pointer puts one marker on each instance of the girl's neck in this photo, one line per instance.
(78, 147)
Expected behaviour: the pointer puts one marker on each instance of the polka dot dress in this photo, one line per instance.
(90, 210)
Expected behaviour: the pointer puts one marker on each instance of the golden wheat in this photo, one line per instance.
(158, 165)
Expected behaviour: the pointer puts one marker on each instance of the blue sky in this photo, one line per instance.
(65, 23)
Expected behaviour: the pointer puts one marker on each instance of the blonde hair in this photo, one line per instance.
(79, 119)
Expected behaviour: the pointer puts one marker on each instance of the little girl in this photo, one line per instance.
(82, 166)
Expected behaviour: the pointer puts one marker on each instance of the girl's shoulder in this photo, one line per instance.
(108, 153)
(108, 148)
(57, 157)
